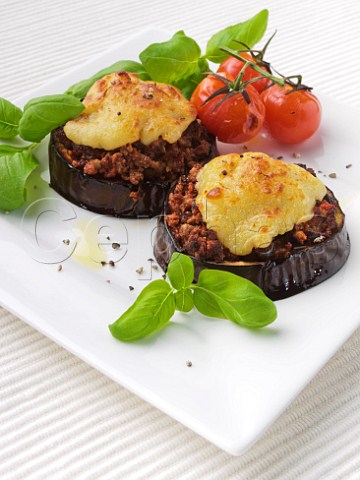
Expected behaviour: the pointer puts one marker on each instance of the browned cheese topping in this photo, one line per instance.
(258, 199)
(121, 109)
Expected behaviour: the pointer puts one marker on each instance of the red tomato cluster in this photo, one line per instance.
(291, 115)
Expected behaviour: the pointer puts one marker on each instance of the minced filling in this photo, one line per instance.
(189, 230)
(160, 161)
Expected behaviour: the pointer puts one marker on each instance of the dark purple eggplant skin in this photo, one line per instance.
(302, 270)
(104, 196)
(110, 197)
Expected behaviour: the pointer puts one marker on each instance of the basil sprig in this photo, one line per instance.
(153, 309)
(10, 149)
(10, 116)
(184, 300)
(180, 271)
(43, 114)
(179, 62)
(40, 116)
(249, 32)
(225, 295)
(173, 60)
(217, 294)
(15, 168)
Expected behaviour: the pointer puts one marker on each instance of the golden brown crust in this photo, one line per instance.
(250, 199)
(121, 109)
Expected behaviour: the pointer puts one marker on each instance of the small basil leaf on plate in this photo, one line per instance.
(14, 171)
(225, 295)
(173, 60)
(180, 271)
(152, 309)
(10, 116)
(184, 300)
(249, 32)
(81, 88)
(43, 114)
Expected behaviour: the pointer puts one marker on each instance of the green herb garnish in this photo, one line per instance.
(171, 61)
(152, 310)
(225, 295)
(217, 294)
(43, 114)
(249, 33)
(9, 119)
(40, 116)
(10, 116)
(15, 169)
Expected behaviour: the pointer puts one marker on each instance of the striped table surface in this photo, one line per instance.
(60, 418)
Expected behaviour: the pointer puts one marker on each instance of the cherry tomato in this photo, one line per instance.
(232, 67)
(234, 120)
(291, 116)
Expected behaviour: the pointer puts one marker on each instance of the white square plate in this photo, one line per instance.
(241, 380)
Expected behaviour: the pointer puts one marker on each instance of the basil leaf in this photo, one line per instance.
(249, 32)
(225, 295)
(10, 116)
(173, 60)
(188, 85)
(184, 300)
(81, 88)
(5, 149)
(14, 171)
(43, 114)
(180, 271)
(152, 310)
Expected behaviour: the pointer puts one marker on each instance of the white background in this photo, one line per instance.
(59, 418)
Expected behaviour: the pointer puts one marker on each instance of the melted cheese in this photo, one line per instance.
(251, 199)
(122, 109)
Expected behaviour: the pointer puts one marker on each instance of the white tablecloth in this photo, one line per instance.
(60, 418)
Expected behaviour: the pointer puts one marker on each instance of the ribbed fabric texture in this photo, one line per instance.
(60, 418)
